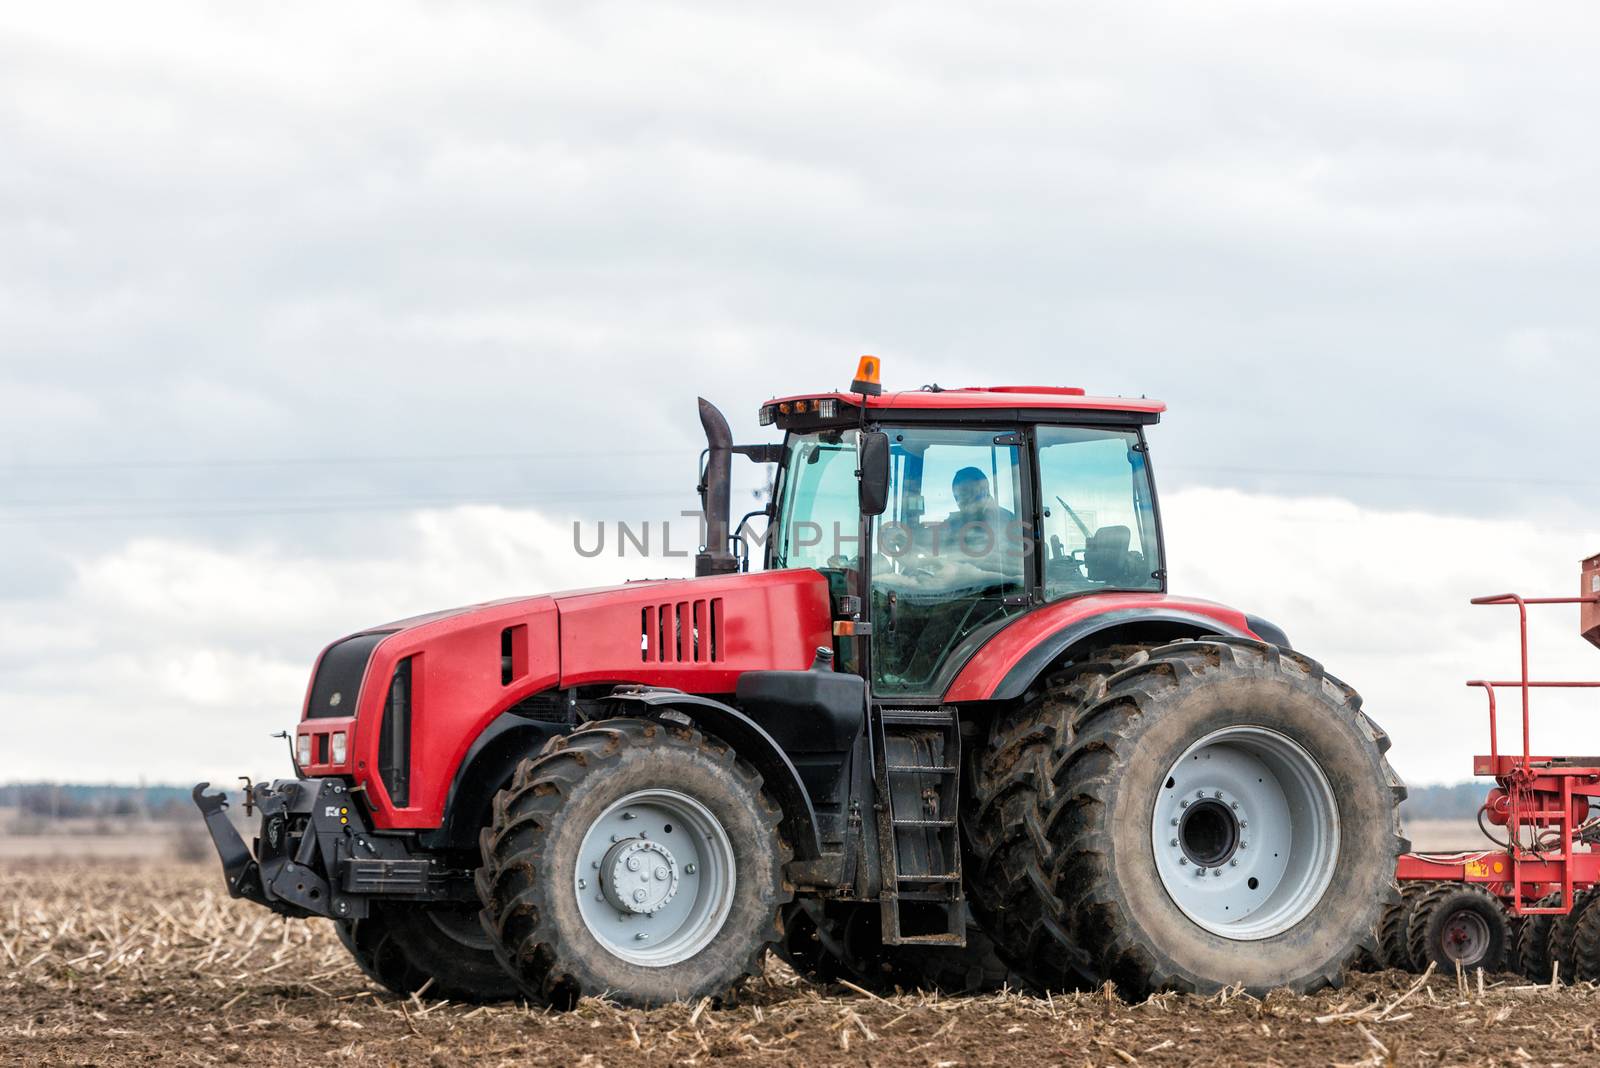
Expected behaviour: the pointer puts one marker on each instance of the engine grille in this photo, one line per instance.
(682, 632)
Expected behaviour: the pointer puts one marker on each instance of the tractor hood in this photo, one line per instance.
(447, 675)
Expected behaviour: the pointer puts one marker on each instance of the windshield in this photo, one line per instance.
(1098, 519)
(818, 508)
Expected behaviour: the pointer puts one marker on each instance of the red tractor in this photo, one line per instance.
(956, 731)
(1529, 902)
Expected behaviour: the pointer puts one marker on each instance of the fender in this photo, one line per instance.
(486, 769)
(1013, 658)
(752, 743)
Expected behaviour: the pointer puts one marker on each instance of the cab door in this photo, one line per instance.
(952, 554)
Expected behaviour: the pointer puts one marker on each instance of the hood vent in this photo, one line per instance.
(682, 632)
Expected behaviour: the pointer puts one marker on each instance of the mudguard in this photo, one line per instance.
(751, 742)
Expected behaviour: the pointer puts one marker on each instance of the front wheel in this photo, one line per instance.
(1206, 813)
(441, 949)
(632, 858)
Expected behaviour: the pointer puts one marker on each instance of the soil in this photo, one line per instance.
(106, 964)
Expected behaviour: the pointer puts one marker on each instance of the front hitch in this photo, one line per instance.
(238, 866)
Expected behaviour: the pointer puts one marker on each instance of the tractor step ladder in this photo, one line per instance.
(917, 769)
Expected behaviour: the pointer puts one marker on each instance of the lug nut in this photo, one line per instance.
(1183, 804)
(1173, 842)
(1199, 871)
(1235, 806)
(688, 869)
(583, 884)
(1218, 795)
(1183, 860)
(639, 895)
(627, 815)
(1199, 793)
(1234, 863)
(1217, 872)
(1174, 821)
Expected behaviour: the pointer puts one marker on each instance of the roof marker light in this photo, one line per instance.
(867, 382)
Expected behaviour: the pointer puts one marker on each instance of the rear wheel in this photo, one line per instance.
(632, 858)
(402, 947)
(1458, 924)
(1184, 825)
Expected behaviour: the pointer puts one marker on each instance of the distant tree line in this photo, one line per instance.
(87, 801)
(1457, 801)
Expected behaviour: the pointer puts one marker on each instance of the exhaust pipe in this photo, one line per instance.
(714, 557)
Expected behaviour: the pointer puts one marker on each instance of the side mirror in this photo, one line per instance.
(874, 486)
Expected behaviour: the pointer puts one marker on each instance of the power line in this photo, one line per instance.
(333, 507)
(332, 461)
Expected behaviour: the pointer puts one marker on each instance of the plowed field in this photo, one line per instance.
(102, 964)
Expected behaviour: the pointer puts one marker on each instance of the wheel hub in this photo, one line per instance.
(655, 877)
(1465, 937)
(1208, 832)
(641, 876)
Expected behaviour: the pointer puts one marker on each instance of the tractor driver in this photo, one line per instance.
(979, 531)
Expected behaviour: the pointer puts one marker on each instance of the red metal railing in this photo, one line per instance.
(1525, 684)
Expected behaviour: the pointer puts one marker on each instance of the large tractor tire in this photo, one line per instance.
(1532, 955)
(1394, 951)
(1204, 814)
(401, 947)
(633, 858)
(1458, 924)
(826, 942)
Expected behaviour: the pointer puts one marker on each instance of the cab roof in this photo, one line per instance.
(1016, 402)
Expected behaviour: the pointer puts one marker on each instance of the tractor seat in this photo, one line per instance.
(1106, 557)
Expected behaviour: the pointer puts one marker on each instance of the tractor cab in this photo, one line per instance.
(941, 514)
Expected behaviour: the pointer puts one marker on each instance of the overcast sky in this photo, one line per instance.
(317, 315)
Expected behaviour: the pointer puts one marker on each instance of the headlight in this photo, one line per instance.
(338, 747)
(302, 750)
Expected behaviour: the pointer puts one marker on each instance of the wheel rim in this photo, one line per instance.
(655, 877)
(1246, 833)
(1465, 937)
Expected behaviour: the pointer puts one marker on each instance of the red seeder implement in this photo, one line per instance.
(1546, 863)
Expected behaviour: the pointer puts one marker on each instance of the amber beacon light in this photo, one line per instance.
(867, 381)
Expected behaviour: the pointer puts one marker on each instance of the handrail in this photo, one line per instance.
(1525, 684)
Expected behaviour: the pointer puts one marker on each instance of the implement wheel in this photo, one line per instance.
(1563, 935)
(1532, 957)
(402, 946)
(1458, 923)
(825, 942)
(1393, 949)
(1208, 813)
(633, 858)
